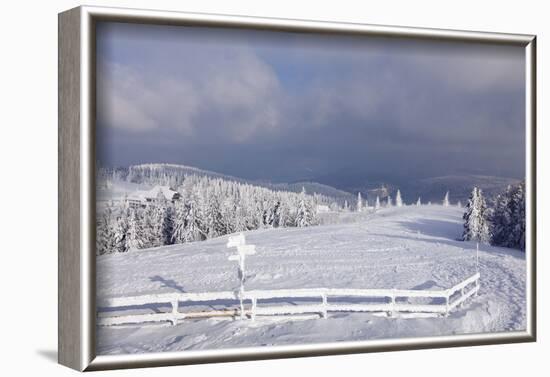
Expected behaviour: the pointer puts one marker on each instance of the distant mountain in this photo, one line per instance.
(138, 173)
(143, 173)
(428, 189)
(459, 186)
(433, 189)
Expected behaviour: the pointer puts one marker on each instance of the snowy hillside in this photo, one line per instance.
(172, 175)
(405, 248)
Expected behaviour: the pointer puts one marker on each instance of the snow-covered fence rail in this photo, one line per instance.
(391, 301)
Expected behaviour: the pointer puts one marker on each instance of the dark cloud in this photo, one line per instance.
(287, 106)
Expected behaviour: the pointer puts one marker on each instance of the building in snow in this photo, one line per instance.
(321, 208)
(157, 193)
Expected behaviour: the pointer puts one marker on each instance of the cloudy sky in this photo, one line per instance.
(288, 106)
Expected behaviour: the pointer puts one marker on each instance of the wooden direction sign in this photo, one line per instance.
(243, 250)
(235, 241)
(246, 249)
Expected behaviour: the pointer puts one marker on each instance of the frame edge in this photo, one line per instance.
(84, 357)
(177, 18)
(531, 109)
(69, 311)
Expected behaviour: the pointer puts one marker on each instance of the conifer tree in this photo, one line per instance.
(476, 227)
(168, 225)
(135, 234)
(106, 231)
(304, 215)
(180, 222)
(501, 218)
(518, 212)
(446, 199)
(398, 200)
(194, 224)
(240, 219)
(122, 224)
(508, 218)
(212, 215)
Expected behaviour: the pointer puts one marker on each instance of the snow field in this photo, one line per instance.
(396, 248)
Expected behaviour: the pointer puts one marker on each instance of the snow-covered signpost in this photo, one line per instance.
(477, 257)
(242, 251)
(477, 267)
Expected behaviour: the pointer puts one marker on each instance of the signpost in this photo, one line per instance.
(243, 250)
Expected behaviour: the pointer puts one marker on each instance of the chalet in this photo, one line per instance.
(321, 208)
(156, 194)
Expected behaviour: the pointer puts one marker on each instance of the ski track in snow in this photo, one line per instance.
(405, 248)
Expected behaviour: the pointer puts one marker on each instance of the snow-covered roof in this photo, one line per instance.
(166, 191)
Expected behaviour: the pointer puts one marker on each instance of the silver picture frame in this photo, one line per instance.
(76, 258)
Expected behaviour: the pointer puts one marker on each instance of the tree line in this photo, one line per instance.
(208, 208)
(502, 223)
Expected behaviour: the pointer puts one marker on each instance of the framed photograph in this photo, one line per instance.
(236, 188)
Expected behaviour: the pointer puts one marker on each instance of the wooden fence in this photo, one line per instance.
(283, 302)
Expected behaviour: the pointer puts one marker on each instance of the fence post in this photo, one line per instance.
(392, 310)
(175, 304)
(241, 301)
(324, 298)
(253, 310)
(242, 251)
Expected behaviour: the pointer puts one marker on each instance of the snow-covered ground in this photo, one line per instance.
(405, 248)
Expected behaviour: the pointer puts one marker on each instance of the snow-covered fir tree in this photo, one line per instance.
(418, 202)
(476, 226)
(517, 236)
(398, 200)
(195, 229)
(151, 224)
(459, 204)
(240, 219)
(446, 199)
(389, 203)
(122, 227)
(168, 225)
(213, 222)
(272, 214)
(359, 202)
(377, 203)
(136, 237)
(180, 222)
(106, 237)
(508, 218)
(304, 216)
